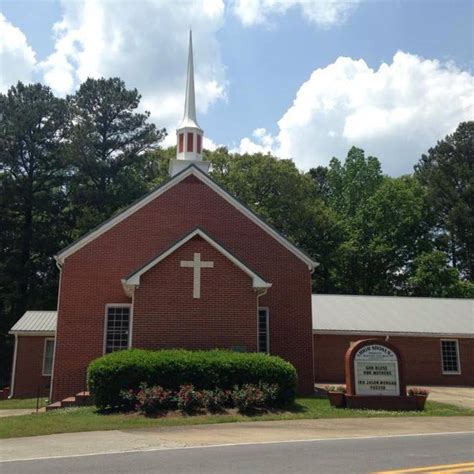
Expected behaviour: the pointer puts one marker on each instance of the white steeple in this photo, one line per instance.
(189, 134)
(189, 118)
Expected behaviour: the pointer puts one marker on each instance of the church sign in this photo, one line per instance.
(376, 371)
(375, 377)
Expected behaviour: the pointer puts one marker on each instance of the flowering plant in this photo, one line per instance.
(250, 397)
(418, 391)
(335, 388)
(151, 400)
(128, 399)
(216, 400)
(189, 400)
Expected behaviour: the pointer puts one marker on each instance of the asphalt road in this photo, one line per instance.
(326, 456)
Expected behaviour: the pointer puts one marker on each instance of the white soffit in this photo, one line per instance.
(194, 171)
(134, 279)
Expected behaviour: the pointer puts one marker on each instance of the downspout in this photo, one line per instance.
(312, 269)
(56, 331)
(262, 292)
(15, 351)
(132, 318)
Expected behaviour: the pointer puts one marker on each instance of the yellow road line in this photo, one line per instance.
(444, 469)
(454, 471)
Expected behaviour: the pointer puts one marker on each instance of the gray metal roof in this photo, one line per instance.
(36, 321)
(393, 314)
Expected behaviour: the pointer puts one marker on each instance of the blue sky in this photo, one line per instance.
(270, 76)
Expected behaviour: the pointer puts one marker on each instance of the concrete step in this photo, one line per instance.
(79, 400)
(69, 402)
(54, 406)
(83, 399)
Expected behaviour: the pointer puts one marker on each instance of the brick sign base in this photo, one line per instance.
(367, 402)
(379, 376)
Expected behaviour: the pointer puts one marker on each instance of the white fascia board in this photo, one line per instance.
(258, 221)
(134, 279)
(113, 221)
(33, 333)
(347, 332)
(191, 170)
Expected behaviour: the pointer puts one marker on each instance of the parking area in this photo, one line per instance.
(460, 396)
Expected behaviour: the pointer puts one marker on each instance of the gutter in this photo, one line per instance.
(336, 332)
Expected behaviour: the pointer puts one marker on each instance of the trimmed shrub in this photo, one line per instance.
(107, 376)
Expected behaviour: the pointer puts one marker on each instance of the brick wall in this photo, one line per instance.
(224, 316)
(91, 278)
(29, 366)
(422, 357)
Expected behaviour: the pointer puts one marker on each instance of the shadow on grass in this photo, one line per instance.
(294, 407)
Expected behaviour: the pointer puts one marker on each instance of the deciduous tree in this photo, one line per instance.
(285, 198)
(432, 276)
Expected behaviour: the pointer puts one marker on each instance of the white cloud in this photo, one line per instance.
(262, 142)
(209, 144)
(144, 43)
(17, 58)
(324, 13)
(395, 112)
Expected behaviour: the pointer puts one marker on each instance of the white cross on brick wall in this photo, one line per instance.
(197, 264)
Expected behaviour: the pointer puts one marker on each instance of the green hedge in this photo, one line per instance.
(123, 370)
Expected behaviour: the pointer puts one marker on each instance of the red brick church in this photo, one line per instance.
(189, 266)
(185, 266)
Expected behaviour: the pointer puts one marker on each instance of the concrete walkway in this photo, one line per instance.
(16, 411)
(86, 443)
(460, 396)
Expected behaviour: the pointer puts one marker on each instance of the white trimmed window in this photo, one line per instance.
(48, 356)
(450, 356)
(263, 330)
(117, 328)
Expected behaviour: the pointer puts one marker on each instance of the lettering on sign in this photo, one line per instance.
(376, 371)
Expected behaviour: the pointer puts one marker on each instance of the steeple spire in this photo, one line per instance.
(189, 134)
(190, 100)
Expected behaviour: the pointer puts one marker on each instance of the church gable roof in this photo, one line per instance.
(163, 188)
(133, 279)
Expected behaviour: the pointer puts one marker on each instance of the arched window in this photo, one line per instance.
(181, 143)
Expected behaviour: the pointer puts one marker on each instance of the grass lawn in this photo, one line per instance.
(88, 419)
(22, 403)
